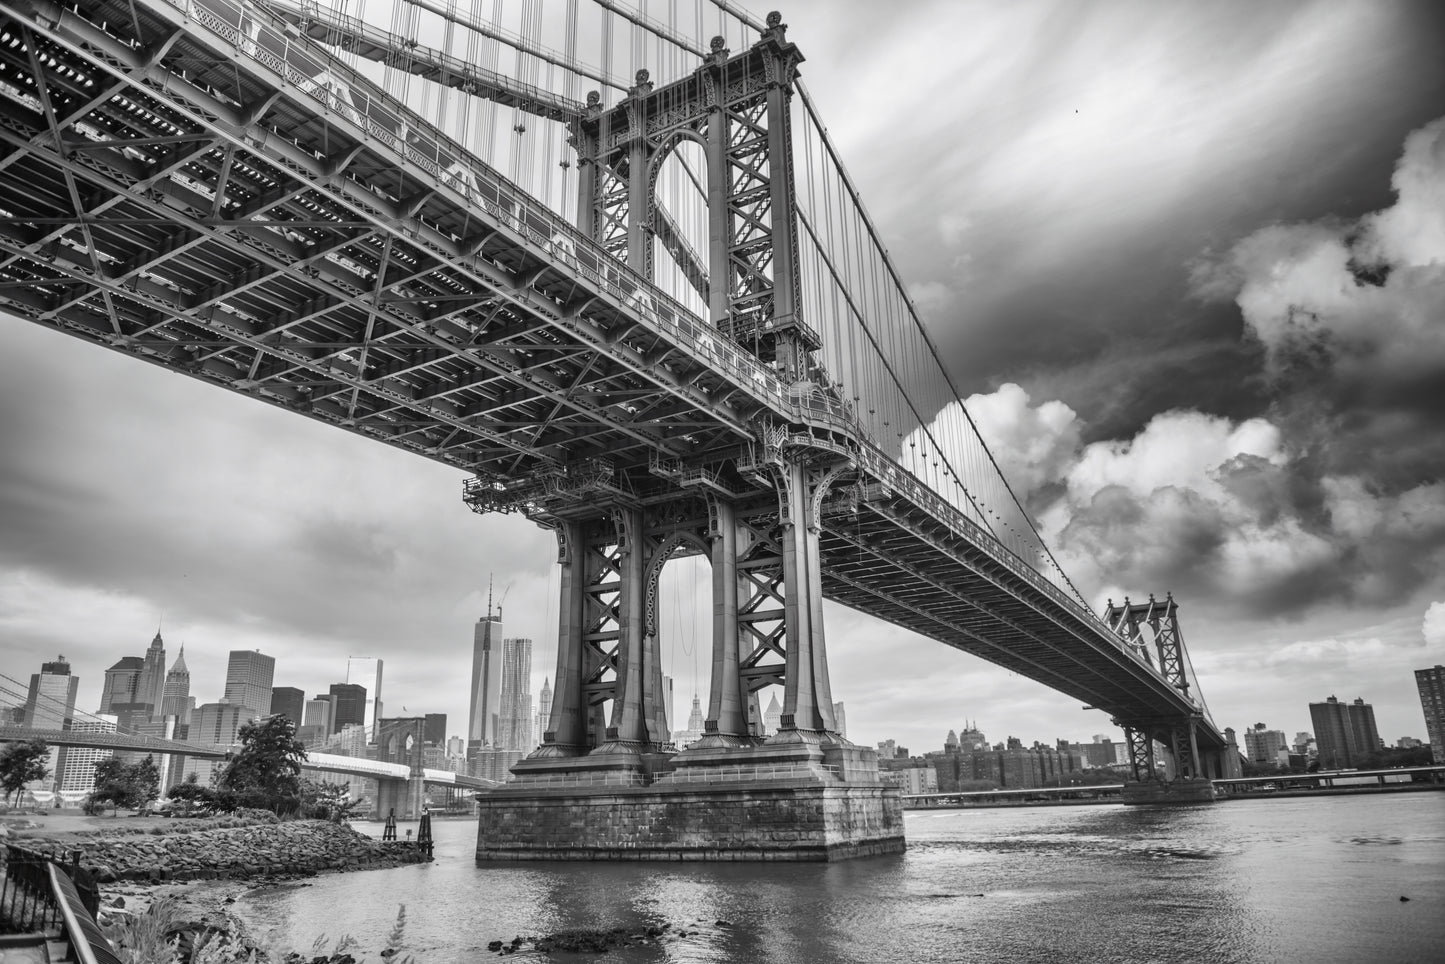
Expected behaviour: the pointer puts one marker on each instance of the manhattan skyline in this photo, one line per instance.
(1190, 281)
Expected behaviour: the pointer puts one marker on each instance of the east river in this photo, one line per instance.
(1269, 880)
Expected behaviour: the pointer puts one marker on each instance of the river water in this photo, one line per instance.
(1271, 880)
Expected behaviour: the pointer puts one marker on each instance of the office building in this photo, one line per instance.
(122, 682)
(694, 729)
(1263, 745)
(249, 675)
(216, 724)
(1344, 732)
(150, 687)
(77, 763)
(515, 725)
(318, 712)
(50, 705)
(484, 720)
(1431, 684)
(348, 706)
(840, 719)
(176, 697)
(289, 702)
(544, 709)
(772, 716)
(434, 729)
(366, 671)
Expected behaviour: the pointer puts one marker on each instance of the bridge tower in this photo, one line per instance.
(754, 513)
(1165, 761)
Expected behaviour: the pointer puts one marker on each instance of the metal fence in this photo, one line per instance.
(39, 894)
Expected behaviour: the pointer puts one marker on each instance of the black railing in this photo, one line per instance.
(40, 894)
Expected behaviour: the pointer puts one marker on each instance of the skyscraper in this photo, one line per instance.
(1344, 732)
(348, 706)
(77, 767)
(366, 671)
(176, 695)
(50, 705)
(122, 682)
(1262, 745)
(435, 728)
(216, 724)
(514, 730)
(486, 709)
(249, 674)
(288, 701)
(840, 717)
(544, 708)
(1431, 684)
(150, 687)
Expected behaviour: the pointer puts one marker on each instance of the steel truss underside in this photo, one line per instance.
(164, 198)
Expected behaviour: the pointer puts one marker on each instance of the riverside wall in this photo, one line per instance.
(258, 850)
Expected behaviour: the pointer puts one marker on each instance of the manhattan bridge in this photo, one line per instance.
(605, 259)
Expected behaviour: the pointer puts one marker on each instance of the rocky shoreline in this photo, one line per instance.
(260, 850)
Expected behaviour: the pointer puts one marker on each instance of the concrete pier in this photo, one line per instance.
(1182, 790)
(795, 819)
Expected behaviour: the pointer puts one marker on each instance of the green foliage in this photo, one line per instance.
(328, 801)
(141, 938)
(1392, 757)
(153, 937)
(133, 786)
(266, 772)
(22, 762)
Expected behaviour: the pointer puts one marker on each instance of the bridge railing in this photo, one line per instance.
(346, 92)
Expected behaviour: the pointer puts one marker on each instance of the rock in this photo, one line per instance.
(494, 946)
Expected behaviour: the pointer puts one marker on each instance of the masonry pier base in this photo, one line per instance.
(793, 819)
(1183, 790)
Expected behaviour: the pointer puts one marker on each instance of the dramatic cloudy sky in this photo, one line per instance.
(1189, 259)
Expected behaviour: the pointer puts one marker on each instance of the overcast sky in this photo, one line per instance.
(1188, 260)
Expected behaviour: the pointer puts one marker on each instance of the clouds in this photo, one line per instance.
(1433, 625)
(1222, 512)
(1351, 318)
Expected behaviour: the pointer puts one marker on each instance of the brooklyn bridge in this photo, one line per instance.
(653, 317)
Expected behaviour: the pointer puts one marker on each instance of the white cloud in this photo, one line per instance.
(1033, 445)
(1433, 625)
(1359, 298)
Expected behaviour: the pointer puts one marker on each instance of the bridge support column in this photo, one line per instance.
(566, 733)
(1179, 776)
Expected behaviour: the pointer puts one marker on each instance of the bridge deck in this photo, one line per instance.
(237, 206)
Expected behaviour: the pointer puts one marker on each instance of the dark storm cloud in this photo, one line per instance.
(1052, 245)
(1333, 494)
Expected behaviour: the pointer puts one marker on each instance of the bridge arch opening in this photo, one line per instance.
(684, 631)
(679, 220)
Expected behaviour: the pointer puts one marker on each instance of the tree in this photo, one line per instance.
(129, 785)
(268, 765)
(22, 762)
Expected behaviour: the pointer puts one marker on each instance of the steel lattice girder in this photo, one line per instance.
(266, 310)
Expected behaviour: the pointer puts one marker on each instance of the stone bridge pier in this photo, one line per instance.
(605, 783)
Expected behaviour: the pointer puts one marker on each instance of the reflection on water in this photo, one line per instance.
(1271, 880)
